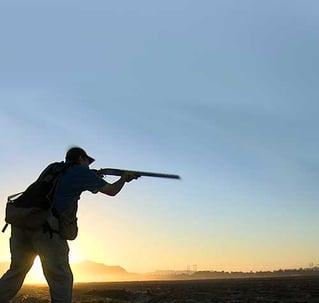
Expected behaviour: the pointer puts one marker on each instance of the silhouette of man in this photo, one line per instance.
(52, 249)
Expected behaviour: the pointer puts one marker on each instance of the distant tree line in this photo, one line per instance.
(314, 271)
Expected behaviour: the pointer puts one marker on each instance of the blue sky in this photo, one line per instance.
(223, 93)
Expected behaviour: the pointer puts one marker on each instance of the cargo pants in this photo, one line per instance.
(25, 245)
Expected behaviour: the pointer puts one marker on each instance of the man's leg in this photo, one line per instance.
(22, 257)
(54, 256)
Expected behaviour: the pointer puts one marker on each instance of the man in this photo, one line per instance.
(52, 248)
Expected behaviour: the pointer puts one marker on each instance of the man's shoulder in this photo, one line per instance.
(80, 169)
(75, 168)
(85, 178)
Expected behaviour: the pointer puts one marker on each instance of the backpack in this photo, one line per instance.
(31, 209)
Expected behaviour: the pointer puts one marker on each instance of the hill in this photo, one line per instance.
(89, 271)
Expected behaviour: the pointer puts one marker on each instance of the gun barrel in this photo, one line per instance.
(119, 172)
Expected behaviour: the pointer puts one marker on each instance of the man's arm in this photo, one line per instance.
(112, 189)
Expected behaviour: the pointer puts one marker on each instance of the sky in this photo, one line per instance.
(223, 93)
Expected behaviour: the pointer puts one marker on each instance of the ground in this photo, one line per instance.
(279, 290)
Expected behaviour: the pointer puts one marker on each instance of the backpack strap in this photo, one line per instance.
(8, 201)
(5, 227)
(46, 226)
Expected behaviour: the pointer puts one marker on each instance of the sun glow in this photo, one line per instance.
(35, 275)
(74, 256)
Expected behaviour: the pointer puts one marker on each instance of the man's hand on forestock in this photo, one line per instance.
(129, 176)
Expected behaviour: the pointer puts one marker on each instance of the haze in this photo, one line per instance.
(223, 93)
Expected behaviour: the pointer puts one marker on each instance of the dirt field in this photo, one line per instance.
(293, 289)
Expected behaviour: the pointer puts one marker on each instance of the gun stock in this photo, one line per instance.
(119, 172)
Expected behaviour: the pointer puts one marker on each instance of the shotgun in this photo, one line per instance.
(119, 172)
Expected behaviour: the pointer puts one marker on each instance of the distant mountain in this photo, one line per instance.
(98, 268)
(88, 271)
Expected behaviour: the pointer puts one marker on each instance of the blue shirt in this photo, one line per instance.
(73, 181)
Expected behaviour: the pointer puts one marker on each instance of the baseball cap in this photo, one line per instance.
(74, 153)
